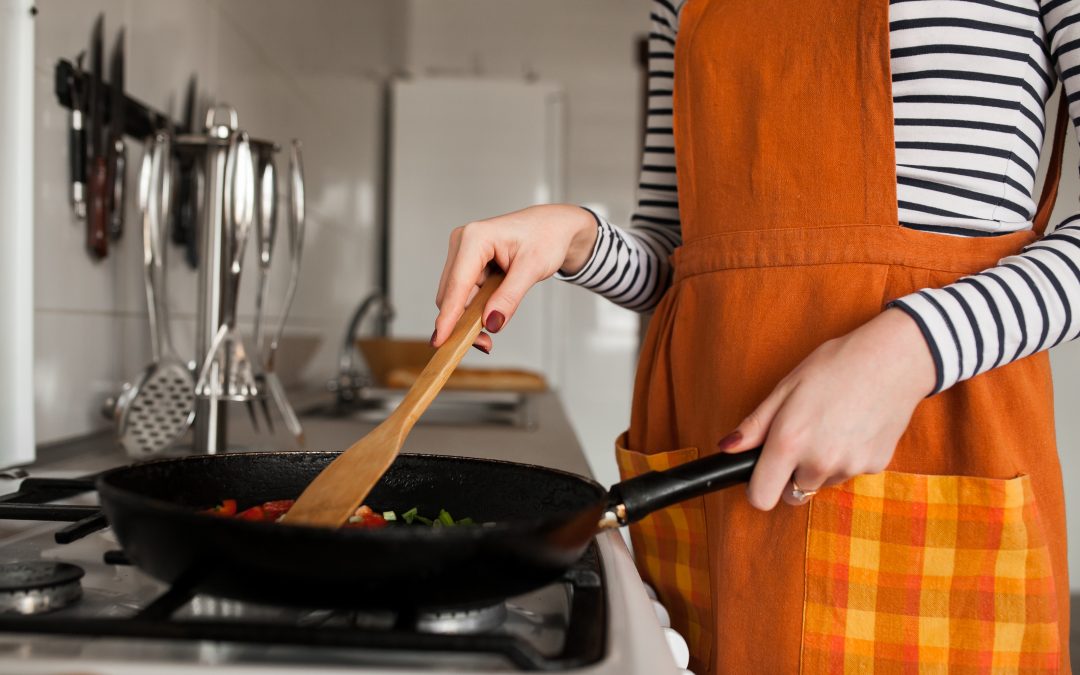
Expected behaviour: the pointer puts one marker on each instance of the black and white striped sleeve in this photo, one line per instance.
(1028, 302)
(630, 266)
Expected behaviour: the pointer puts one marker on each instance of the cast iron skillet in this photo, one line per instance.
(543, 519)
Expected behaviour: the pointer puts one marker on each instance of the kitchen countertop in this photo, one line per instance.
(549, 442)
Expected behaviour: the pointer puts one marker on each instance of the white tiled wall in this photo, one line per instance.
(292, 69)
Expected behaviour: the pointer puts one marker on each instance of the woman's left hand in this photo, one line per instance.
(840, 413)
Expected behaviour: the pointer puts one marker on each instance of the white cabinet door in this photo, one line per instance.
(462, 150)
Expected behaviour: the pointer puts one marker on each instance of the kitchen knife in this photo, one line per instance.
(97, 242)
(77, 138)
(118, 151)
(186, 206)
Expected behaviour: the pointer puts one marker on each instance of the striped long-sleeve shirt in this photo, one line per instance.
(970, 81)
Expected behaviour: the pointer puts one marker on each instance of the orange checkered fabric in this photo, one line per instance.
(909, 573)
(672, 553)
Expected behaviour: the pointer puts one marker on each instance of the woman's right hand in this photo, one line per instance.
(530, 245)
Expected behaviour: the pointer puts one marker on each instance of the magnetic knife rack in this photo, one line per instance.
(141, 121)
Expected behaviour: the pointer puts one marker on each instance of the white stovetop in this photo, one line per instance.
(636, 644)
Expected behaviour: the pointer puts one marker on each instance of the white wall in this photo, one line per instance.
(292, 69)
(588, 48)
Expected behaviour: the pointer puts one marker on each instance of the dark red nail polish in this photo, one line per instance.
(483, 349)
(433, 334)
(494, 321)
(730, 441)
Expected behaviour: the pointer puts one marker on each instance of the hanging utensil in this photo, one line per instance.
(117, 148)
(297, 226)
(156, 409)
(265, 234)
(227, 360)
(186, 209)
(97, 242)
(77, 138)
(340, 489)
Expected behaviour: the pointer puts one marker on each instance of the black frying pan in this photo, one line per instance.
(543, 519)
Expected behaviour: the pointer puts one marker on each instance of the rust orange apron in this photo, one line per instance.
(952, 560)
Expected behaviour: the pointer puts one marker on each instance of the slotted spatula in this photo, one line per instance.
(342, 486)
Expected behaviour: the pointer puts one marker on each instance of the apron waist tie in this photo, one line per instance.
(845, 244)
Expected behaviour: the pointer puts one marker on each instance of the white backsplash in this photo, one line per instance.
(292, 70)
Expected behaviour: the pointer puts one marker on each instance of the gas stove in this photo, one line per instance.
(69, 598)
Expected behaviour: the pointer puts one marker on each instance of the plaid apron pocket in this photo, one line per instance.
(672, 552)
(909, 573)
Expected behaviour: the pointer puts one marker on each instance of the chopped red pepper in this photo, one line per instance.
(254, 513)
(278, 508)
(272, 511)
(366, 518)
(225, 508)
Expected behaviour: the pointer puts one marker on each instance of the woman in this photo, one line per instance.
(855, 281)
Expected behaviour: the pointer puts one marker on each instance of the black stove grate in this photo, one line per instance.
(33, 501)
(584, 642)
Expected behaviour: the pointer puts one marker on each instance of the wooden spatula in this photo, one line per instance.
(342, 486)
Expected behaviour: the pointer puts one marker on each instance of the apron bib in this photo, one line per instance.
(952, 560)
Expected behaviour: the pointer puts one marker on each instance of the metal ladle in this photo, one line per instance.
(265, 235)
(297, 223)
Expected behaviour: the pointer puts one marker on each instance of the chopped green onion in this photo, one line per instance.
(445, 518)
(426, 521)
(389, 515)
(409, 516)
(466, 521)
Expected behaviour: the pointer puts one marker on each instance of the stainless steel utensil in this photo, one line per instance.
(265, 234)
(157, 408)
(297, 224)
(210, 415)
(227, 362)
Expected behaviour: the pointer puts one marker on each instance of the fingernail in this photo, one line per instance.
(494, 321)
(433, 334)
(730, 441)
(483, 349)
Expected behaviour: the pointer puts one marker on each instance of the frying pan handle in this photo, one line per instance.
(632, 500)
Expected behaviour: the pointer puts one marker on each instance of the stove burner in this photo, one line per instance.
(462, 622)
(38, 586)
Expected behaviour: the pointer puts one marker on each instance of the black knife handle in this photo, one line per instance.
(97, 225)
(77, 158)
(116, 195)
(639, 496)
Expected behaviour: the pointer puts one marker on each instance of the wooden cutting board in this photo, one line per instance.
(395, 364)
(474, 379)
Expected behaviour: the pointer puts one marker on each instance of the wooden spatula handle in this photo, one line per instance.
(434, 375)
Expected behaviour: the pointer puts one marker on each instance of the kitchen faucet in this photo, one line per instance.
(350, 379)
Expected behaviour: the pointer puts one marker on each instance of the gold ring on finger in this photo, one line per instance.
(799, 493)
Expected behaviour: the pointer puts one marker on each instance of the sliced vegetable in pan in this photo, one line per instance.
(364, 518)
